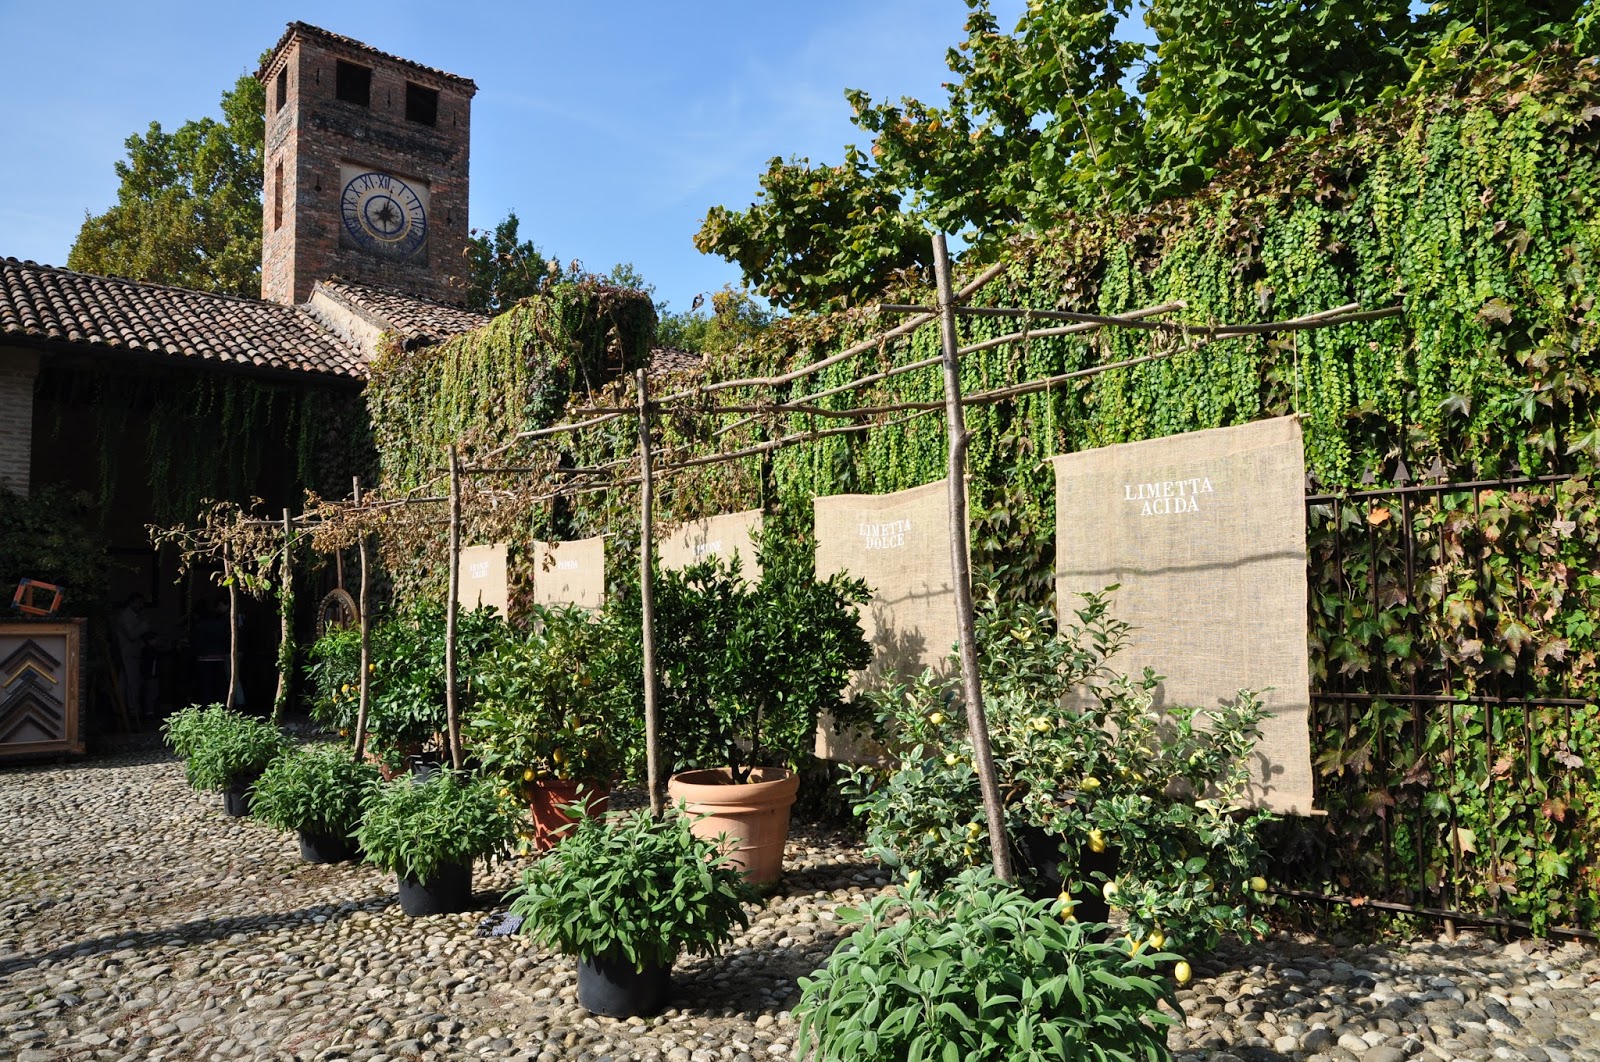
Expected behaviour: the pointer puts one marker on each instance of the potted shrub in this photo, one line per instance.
(746, 671)
(1108, 800)
(625, 895)
(550, 718)
(334, 675)
(317, 793)
(427, 832)
(406, 710)
(224, 751)
(981, 971)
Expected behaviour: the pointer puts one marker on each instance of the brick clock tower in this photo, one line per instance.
(365, 170)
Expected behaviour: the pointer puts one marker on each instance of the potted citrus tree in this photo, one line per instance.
(317, 793)
(550, 719)
(224, 751)
(427, 832)
(625, 895)
(406, 711)
(746, 672)
(1109, 802)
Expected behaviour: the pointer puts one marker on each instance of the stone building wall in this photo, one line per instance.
(18, 369)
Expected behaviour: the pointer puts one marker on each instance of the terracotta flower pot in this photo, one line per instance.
(754, 815)
(549, 801)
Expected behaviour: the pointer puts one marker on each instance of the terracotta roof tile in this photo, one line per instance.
(665, 360)
(46, 303)
(412, 317)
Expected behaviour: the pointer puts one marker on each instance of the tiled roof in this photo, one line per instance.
(408, 315)
(669, 359)
(58, 305)
(305, 29)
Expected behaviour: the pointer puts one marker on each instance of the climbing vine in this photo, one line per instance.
(152, 426)
(1475, 212)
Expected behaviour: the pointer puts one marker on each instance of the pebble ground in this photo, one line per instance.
(138, 922)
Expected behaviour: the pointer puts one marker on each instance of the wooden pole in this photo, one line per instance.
(961, 570)
(233, 626)
(366, 636)
(647, 606)
(280, 699)
(452, 716)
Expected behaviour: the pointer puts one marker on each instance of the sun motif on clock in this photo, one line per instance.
(384, 214)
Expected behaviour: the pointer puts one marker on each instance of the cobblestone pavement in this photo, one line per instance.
(138, 922)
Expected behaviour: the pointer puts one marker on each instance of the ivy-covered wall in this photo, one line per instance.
(480, 389)
(169, 441)
(1477, 214)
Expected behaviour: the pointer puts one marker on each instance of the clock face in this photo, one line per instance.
(384, 214)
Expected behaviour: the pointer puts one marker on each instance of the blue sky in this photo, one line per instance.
(610, 129)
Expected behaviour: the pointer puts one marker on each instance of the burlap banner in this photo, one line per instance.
(569, 573)
(1206, 533)
(900, 544)
(483, 577)
(721, 537)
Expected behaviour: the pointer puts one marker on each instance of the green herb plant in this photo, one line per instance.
(414, 828)
(632, 887)
(979, 971)
(1087, 767)
(315, 790)
(222, 748)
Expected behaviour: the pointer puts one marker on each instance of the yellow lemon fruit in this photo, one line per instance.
(973, 829)
(527, 775)
(1097, 841)
(936, 718)
(1135, 945)
(558, 757)
(951, 759)
(1041, 724)
(372, 667)
(1258, 884)
(1090, 782)
(1158, 940)
(1109, 891)
(1181, 973)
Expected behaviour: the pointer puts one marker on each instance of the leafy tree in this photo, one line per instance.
(1063, 114)
(504, 269)
(188, 210)
(736, 319)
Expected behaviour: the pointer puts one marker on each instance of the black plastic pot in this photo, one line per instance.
(326, 847)
(237, 796)
(425, 766)
(611, 986)
(448, 891)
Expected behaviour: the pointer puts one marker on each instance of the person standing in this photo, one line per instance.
(131, 629)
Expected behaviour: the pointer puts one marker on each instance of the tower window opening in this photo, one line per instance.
(353, 83)
(422, 104)
(277, 197)
(282, 87)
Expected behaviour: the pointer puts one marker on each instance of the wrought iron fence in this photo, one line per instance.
(1453, 708)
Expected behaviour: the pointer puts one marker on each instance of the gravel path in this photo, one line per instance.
(138, 922)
